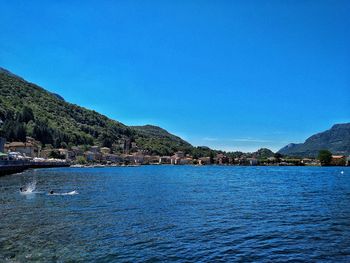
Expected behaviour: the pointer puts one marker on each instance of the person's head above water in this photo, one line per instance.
(51, 192)
(21, 189)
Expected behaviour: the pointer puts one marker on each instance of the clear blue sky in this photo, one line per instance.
(233, 75)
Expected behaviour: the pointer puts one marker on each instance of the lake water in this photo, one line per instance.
(177, 213)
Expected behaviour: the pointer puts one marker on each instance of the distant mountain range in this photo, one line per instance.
(29, 110)
(336, 140)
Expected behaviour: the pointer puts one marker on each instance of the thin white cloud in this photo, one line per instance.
(277, 132)
(210, 139)
(249, 140)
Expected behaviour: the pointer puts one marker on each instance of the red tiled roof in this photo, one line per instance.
(338, 156)
(19, 144)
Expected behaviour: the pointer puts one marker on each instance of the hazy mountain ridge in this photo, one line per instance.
(336, 140)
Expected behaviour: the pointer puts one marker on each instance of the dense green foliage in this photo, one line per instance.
(336, 140)
(325, 157)
(158, 141)
(29, 110)
(264, 153)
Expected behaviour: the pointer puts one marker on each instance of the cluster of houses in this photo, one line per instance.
(94, 154)
(104, 155)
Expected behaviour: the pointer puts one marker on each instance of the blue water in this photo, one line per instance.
(177, 214)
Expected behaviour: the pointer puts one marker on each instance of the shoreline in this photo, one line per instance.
(18, 167)
(196, 165)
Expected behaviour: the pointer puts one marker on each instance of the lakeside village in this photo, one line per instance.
(32, 154)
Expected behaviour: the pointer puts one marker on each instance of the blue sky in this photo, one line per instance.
(233, 75)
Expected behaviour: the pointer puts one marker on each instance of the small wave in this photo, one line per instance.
(31, 192)
(68, 193)
(25, 193)
(30, 188)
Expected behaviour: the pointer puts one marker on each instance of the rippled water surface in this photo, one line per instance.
(184, 214)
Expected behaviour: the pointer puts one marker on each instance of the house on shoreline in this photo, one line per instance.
(339, 160)
(27, 149)
(165, 160)
(96, 154)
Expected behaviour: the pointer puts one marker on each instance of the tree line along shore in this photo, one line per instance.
(128, 153)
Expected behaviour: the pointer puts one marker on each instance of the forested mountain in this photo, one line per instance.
(336, 140)
(29, 110)
(157, 139)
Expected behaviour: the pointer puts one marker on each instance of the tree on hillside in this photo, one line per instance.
(13, 131)
(211, 157)
(106, 140)
(263, 153)
(42, 132)
(278, 156)
(21, 132)
(26, 115)
(325, 157)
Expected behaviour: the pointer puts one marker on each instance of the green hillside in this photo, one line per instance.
(29, 110)
(160, 141)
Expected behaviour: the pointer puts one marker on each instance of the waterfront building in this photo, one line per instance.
(105, 150)
(92, 156)
(252, 161)
(179, 154)
(204, 160)
(95, 149)
(26, 149)
(165, 160)
(149, 159)
(113, 158)
(185, 161)
(77, 151)
(129, 158)
(138, 158)
(37, 145)
(69, 155)
(175, 160)
(272, 159)
(221, 159)
(306, 161)
(338, 160)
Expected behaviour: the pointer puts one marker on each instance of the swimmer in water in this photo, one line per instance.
(22, 190)
(51, 192)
